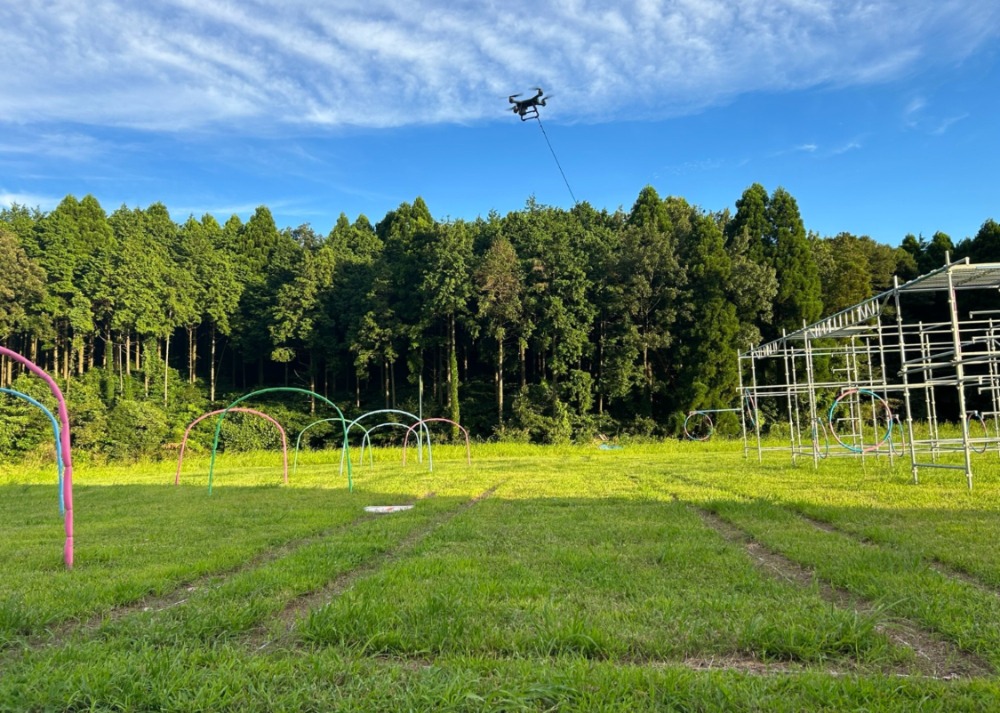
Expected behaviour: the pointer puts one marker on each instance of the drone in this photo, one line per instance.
(528, 108)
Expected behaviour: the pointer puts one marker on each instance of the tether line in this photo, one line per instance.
(559, 165)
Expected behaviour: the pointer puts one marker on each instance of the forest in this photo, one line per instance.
(543, 325)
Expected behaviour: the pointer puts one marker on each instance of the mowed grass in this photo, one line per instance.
(679, 576)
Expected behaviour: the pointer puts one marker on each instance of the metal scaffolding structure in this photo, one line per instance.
(873, 381)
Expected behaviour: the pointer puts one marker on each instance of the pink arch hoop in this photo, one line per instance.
(421, 422)
(240, 409)
(64, 446)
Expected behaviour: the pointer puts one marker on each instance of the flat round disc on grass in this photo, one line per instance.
(382, 509)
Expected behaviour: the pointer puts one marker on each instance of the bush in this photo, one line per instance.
(135, 429)
(538, 410)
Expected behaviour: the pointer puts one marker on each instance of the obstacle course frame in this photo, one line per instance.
(876, 353)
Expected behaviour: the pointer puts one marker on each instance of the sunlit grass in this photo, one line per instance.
(536, 578)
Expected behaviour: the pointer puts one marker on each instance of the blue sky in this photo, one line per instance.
(879, 116)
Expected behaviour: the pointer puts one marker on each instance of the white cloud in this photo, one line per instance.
(190, 63)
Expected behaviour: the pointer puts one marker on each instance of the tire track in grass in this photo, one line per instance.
(945, 569)
(59, 633)
(935, 656)
(263, 637)
(942, 568)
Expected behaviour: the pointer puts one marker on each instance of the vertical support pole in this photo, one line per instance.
(743, 406)
(753, 375)
(885, 382)
(811, 384)
(992, 353)
(788, 392)
(905, 374)
(956, 339)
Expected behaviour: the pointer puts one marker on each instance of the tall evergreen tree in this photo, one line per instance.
(708, 329)
(799, 300)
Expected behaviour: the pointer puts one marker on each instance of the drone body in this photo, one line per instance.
(528, 108)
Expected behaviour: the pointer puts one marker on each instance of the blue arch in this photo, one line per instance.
(55, 433)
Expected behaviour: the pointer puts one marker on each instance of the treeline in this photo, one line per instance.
(543, 324)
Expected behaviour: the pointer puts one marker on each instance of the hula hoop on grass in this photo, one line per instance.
(705, 423)
(975, 415)
(861, 392)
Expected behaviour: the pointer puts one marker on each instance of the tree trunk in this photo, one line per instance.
(500, 380)
(192, 349)
(385, 381)
(456, 415)
(312, 383)
(166, 369)
(211, 369)
(392, 382)
(128, 353)
(55, 355)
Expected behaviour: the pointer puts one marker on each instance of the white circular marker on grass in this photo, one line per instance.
(386, 508)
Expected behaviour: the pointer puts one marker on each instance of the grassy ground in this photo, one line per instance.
(678, 577)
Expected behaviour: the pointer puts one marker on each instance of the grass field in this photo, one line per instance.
(674, 577)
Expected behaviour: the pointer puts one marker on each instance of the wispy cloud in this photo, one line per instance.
(917, 116)
(852, 145)
(45, 203)
(180, 64)
(947, 123)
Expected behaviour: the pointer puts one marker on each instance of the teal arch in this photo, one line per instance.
(55, 433)
(417, 421)
(294, 389)
(367, 439)
(298, 439)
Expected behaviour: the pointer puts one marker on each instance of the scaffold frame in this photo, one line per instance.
(869, 382)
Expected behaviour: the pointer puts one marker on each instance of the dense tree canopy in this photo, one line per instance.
(543, 323)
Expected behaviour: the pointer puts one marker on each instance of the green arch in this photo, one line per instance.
(417, 421)
(222, 415)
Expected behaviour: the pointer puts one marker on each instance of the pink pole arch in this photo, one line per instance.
(424, 421)
(240, 409)
(64, 446)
